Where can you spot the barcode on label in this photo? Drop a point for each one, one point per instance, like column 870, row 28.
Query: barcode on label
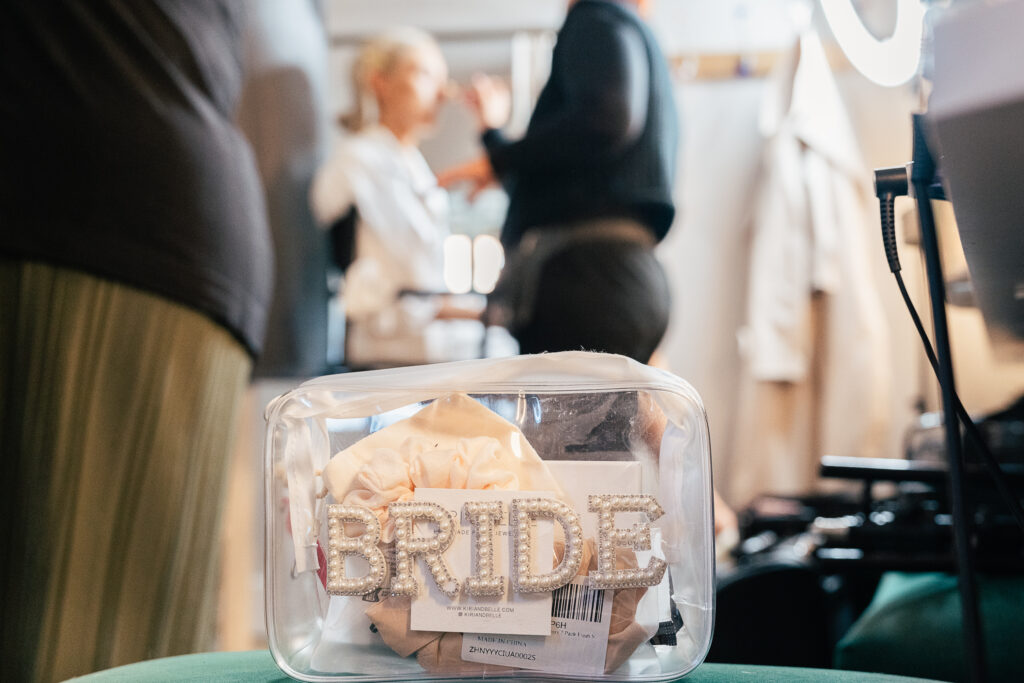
column 576, row 601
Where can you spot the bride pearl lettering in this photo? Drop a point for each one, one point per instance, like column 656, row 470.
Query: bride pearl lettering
column 483, row 517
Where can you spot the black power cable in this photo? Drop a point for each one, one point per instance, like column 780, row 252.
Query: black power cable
column 889, row 184
column 970, row 428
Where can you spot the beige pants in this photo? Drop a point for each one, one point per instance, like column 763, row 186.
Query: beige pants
column 117, row 409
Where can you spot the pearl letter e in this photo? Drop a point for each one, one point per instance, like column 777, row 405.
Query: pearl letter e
column 610, row 537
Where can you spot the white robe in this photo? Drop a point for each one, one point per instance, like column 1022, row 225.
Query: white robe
column 815, row 343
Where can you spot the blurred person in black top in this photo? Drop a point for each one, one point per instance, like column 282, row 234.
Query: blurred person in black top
column 590, row 189
column 121, row 157
column 135, row 275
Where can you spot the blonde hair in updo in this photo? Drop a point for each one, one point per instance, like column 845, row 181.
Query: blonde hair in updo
column 379, row 55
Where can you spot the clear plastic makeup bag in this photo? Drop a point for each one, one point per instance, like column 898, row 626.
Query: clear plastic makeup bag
column 532, row 517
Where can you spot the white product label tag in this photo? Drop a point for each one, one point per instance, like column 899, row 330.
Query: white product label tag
column 589, row 478
column 511, row 613
column 580, row 619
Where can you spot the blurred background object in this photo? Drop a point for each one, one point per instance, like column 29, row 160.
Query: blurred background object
column 137, row 272
column 284, row 113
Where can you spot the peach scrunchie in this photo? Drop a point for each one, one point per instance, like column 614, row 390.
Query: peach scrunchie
column 394, row 474
column 453, row 443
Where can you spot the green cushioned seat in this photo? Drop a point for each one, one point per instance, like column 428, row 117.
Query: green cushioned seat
column 913, row 627
column 259, row 666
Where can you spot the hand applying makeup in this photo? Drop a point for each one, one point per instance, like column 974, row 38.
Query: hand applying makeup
column 489, row 100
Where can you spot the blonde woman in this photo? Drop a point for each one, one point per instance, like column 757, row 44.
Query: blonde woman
column 378, row 184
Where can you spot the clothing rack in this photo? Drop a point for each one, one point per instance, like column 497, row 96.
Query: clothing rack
column 687, row 66
column 721, row 66
column 454, row 36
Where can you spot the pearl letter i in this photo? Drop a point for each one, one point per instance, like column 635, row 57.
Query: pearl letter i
column 483, row 516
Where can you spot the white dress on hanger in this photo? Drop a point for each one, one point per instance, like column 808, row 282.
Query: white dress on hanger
column 816, row 340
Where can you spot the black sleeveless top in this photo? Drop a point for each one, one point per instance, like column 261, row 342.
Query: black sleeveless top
column 603, row 138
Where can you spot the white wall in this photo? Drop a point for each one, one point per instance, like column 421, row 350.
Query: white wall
column 707, row 249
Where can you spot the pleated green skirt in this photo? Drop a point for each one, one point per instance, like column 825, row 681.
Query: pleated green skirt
column 117, row 411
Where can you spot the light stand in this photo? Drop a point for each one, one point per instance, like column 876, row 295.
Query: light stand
column 890, row 183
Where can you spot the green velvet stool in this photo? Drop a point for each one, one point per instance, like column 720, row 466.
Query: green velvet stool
column 259, row 667
column 913, row 627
